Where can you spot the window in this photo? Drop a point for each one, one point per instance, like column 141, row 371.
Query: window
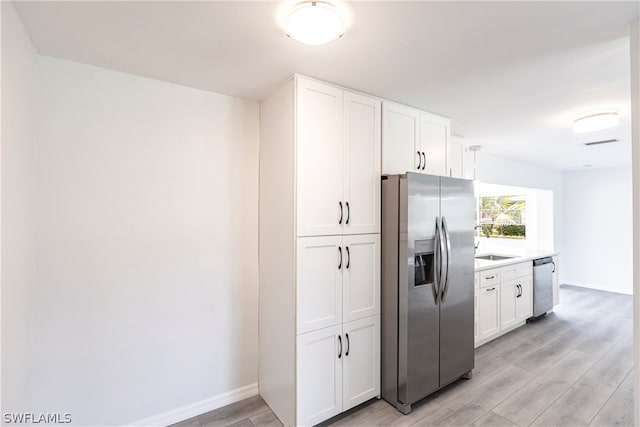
column 502, row 216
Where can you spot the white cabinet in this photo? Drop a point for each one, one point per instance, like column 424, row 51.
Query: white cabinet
column 362, row 131
column 338, row 160
column 524, row 300
column 413, row 140
column 400, row 135
column 338, row 279
column 361, row 276
column 434, row 135
column 319, row 296
column 489, row 308
column 361, row 369
column 509, row 292
column 504, row 300
column 556, row 280
column 455, row 157
column 319, row 375
column 338, row 368
column 320, row 167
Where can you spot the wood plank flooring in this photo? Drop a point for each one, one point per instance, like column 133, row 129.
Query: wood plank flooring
column 572, row 368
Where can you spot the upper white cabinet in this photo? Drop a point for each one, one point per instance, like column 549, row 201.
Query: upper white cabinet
column 362, row 132
column 338, row 160
column 455, row 157
column 434, row 137
column 414, row 141
column 401, row 141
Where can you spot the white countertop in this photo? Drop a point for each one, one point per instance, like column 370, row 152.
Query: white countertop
column 518, row 254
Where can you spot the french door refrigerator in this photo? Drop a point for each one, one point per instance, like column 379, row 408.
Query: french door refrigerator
column 427, row 285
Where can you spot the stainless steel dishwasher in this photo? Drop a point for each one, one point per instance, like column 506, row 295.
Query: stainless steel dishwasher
column 542, row 286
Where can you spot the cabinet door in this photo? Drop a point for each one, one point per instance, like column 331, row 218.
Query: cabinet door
column 400, row 143
column 556, row 281
column 319, row 375
column 489, row 308
column 524, row 300
column 508, row 296
column 361, row 276
column 455, row 158
column 361, row 373
column 320, row 165
column 319, row 282
column 434, row 135
column 362, row 164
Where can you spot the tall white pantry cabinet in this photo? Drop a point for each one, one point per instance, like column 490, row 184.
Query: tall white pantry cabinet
column 319, row 308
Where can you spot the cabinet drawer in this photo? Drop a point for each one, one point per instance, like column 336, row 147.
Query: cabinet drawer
column 489, row 277
column 516, row 270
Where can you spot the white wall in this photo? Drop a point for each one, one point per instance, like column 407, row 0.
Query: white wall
column 498, row 170
column 146, row 244
column 598, row 223
column 17, row 200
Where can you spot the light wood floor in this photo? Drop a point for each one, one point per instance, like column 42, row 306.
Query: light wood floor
column 572, row 368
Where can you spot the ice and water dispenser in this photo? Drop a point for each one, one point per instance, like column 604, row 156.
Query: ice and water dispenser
column 424, row 262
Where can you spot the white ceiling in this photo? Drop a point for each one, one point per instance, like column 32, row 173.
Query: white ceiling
column 510, row 75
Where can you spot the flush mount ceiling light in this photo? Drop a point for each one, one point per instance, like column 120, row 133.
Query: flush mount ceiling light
column 314, row 22
column 596, row 121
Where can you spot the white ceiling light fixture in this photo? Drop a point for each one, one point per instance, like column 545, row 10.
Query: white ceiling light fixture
column 315, row 22
column 596, row 121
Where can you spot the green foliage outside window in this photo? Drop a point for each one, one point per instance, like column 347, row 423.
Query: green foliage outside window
column 502, row 216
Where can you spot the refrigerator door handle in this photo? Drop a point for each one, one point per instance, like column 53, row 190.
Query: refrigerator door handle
column 437, row 263
column 443, row 251
column 447, row 239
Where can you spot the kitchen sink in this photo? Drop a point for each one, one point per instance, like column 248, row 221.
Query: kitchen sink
column 494, row 257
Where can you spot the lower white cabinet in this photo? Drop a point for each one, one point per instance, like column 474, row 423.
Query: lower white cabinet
column 508, row 294
column 489, row 311
column 361, row 362
column 337, row 368
column 319, row 375
column 524, row 299
column 504, row 300
column 516, row 303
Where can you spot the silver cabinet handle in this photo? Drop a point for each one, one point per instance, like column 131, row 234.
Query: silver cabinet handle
column 489, row 277
column 491, row 289
column 340, row 220
column 340, row 342
column 419, row 161
column 340, row 263
column 424, row 161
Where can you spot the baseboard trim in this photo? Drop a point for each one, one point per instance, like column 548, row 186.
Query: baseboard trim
column 188, row 411
column 596, row 287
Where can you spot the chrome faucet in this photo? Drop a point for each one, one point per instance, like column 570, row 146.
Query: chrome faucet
column 475, row 246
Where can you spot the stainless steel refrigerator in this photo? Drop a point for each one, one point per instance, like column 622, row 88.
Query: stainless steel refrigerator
column 427, row 285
